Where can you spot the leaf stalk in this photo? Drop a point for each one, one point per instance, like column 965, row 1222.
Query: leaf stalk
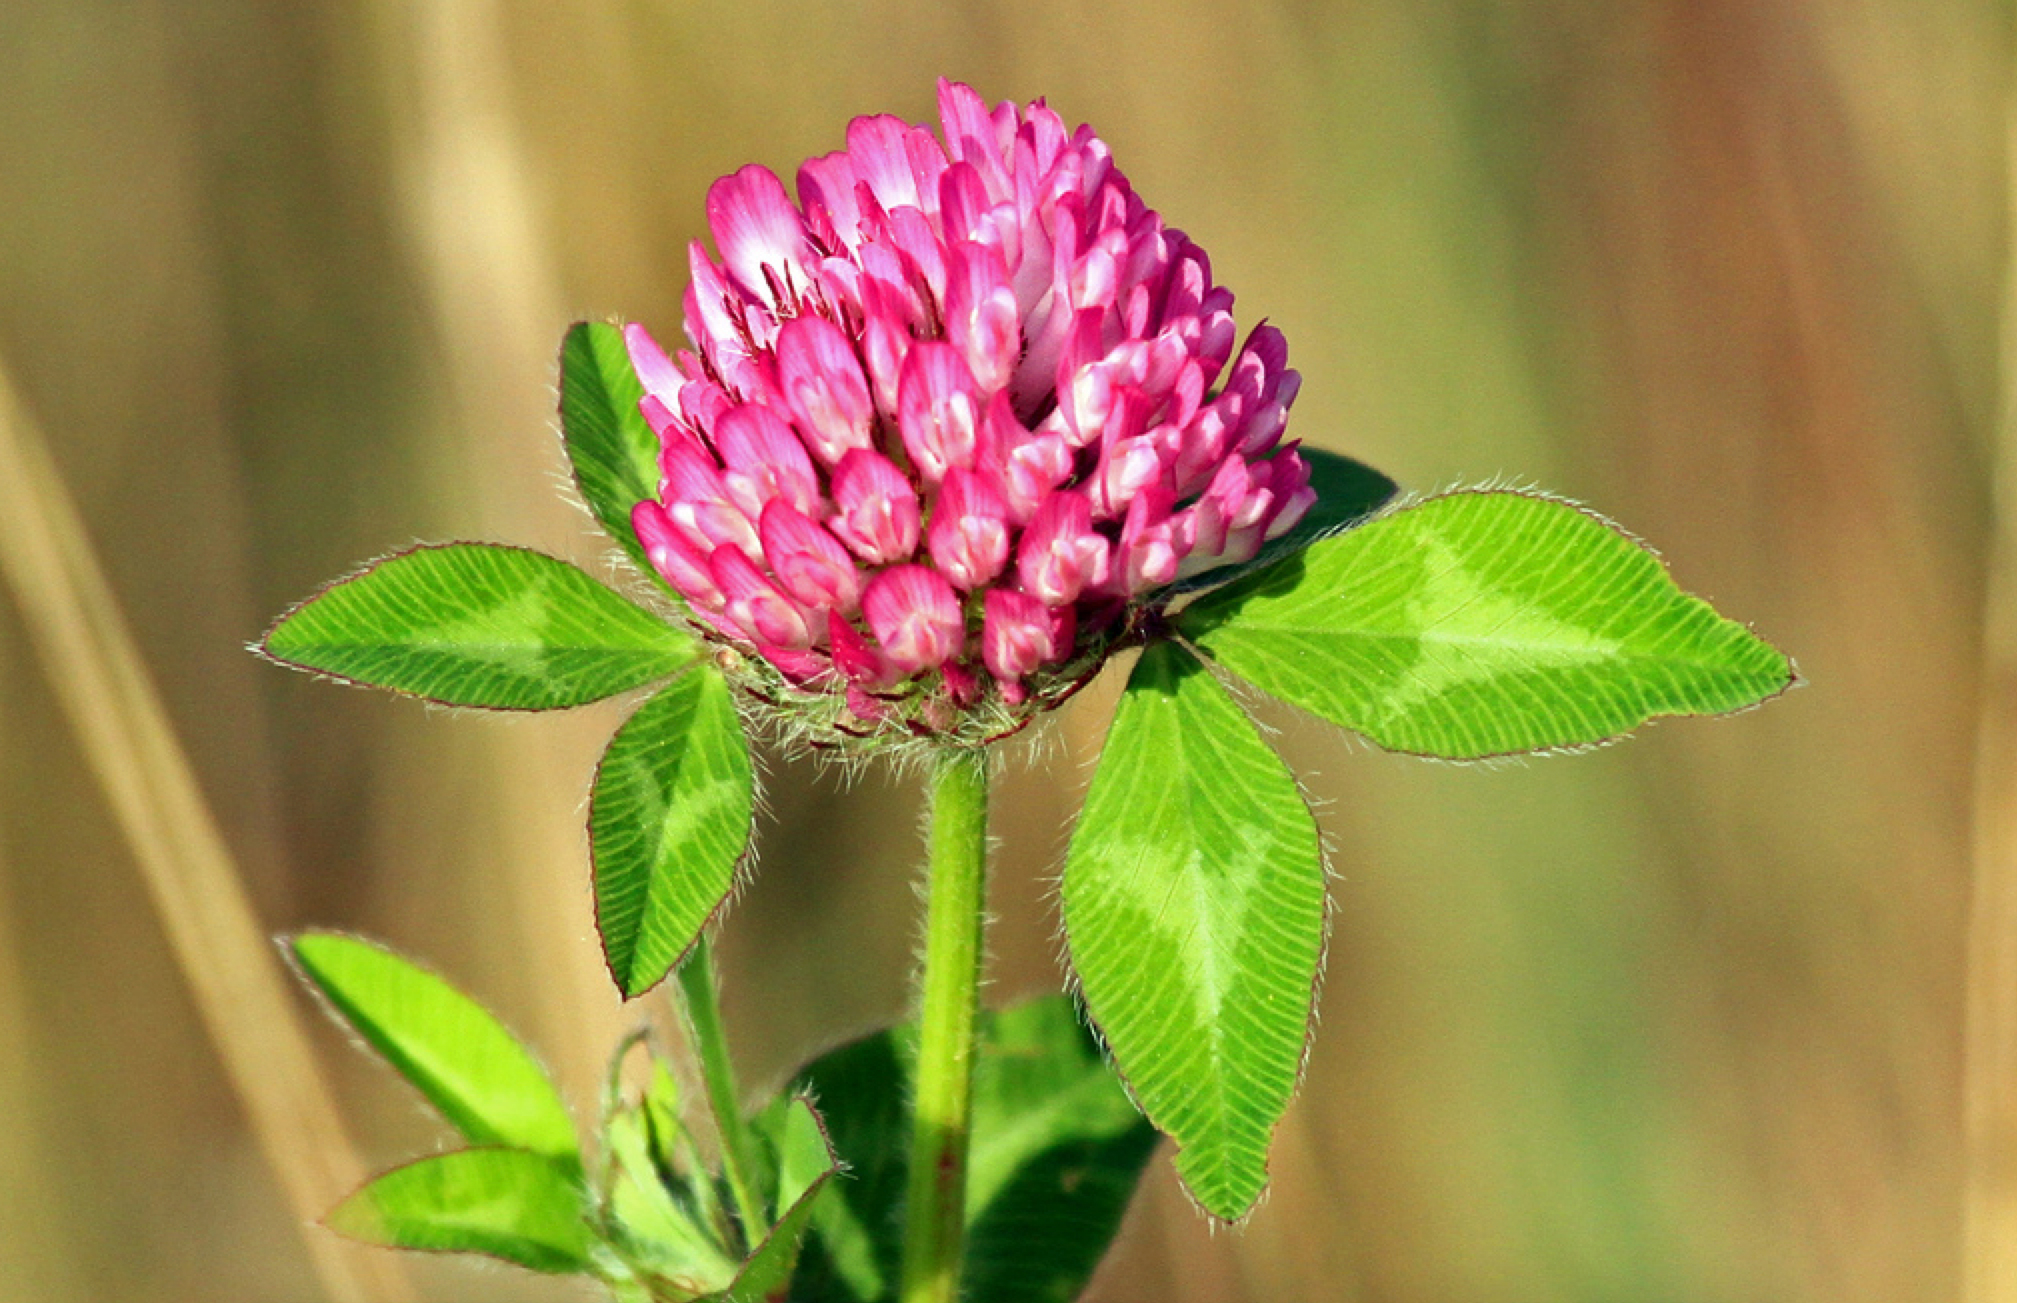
column 702, row 1002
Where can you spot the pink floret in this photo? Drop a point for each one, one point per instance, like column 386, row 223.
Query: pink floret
column 949, row 419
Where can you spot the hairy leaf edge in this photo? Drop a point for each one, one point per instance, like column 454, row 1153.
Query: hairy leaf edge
column 263, row 649
column 739, row 877
column 295, row 964
column 1407, row 502
column 1240, row 692
column 626, row 544
column 588, row 1264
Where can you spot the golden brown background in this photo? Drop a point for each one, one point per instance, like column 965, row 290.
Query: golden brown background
column 1675, row 1022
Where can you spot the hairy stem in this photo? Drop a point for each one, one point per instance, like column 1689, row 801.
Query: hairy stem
column 951, row 996
column 710, row 1043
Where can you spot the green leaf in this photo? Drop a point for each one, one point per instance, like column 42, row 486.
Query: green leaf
column 661, row 1217
column 1484, row 623
column 1057, row 1151
column 1194, row 910
column 657, row 1223
column 653, row 1214
column 668, row 823
column 806, row 1160
column 463, row 1060
column 1347, row 492
column 615, row 454
column 508, row 1203
column 477, row 624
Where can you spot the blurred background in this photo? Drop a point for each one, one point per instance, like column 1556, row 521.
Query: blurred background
column 283, row 280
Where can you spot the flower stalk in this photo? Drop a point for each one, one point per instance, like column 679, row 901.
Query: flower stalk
column 936, row 1222
column 702, row 1000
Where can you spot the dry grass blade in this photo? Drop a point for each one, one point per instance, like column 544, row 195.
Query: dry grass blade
column 97, row 672
column 1989, row 1244
column 472, row 227
column 36, row 1257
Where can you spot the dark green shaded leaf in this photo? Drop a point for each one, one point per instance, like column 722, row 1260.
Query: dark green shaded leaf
column 1484, row 623
column 508, row 1203
column 463, row 1060
column 668, row 824
column 476, row 624
column 1057, row 1151
column 1194, row 909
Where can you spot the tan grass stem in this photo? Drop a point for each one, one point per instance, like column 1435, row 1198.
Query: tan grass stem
column 472, row 225
column 241, row 991
column 35, row 1252
column 1989, row 1081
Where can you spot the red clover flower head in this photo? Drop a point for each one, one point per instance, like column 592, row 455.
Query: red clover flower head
column 947, row 425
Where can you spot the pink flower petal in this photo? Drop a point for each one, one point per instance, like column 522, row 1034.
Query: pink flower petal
column 697, row 500
column 827, row 183
column 877, row 509
column 980, row 316
column 767, row 616
column 1016, row 635
column 915, row 615
column 755, row 226
column 1153, row 543
column 1060, row 555
column 879, row 148
column 856, row 657
column 1031, row 469
column 972, row 137
column 823, row 383
column 764, row 460
column 655, row 371
column 809, row 563
column 969, row 536
column 673, row 556
column 938, row 409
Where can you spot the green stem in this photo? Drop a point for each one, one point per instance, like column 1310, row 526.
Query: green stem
column 710, row 1042
column 936, row 1227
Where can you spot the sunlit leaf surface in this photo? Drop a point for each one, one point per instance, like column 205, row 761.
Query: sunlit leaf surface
column 453, row 1051
column 477, row 624
column 1194, row 909
column 668, row 824
column 508, row 1203
column 1484, row 623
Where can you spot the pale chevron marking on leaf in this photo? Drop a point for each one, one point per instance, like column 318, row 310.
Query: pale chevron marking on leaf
column 476, row 624
column 669, row 821
column 1464, row 623
column 1194, row 904
column 1484, row 623
column 507, row 1203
